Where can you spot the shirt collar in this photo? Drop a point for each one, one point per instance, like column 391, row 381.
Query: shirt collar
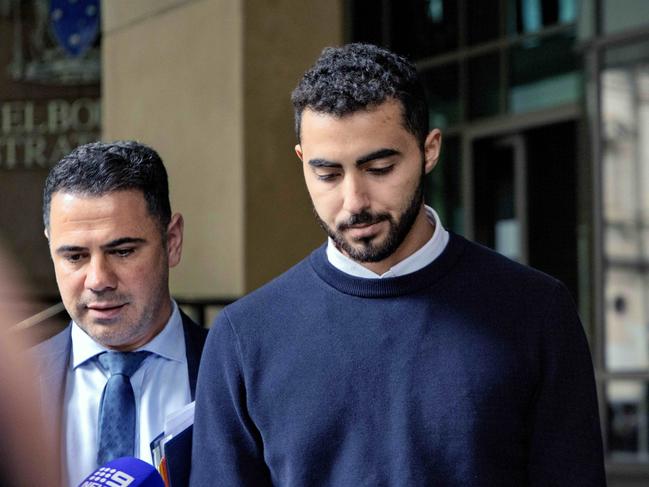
column 418, row 260
column 164, row 343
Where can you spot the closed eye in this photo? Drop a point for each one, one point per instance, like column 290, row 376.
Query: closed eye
column 326, row 177
column 326, row 174
column 74, row 258
column 379, row 171
column 122, row 252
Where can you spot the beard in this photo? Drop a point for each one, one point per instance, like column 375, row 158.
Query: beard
column 366, row 249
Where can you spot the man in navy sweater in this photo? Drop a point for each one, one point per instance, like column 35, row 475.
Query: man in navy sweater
column 397, row 354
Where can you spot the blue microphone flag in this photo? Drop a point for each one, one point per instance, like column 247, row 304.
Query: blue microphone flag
column 124, row 472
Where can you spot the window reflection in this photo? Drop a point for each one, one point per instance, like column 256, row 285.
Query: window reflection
column 423, row 28
column 625, row 165
column 484, row 85
column 543, row 72
column 367, row 21
column 483, row 21
column 444, row 186
column 529, row 16
column 436, row 11
column 618, row 15
column 442, row 85
column 627, row 420
column 626, row 317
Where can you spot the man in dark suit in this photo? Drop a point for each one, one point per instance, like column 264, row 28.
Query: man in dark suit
column 130, row 356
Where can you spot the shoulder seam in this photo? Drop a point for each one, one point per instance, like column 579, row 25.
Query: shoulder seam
column 237, row 341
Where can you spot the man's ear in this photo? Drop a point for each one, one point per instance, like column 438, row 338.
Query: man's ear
column 432, row 149
column 298, row 151
column 46, row 233
column 175, row 239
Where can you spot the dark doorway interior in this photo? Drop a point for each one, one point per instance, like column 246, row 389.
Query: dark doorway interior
column 541, row 230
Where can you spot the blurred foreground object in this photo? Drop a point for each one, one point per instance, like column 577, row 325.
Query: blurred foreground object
column 25, row 456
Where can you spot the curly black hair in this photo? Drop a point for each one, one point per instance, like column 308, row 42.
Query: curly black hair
column 98, row 168
column 358, row 76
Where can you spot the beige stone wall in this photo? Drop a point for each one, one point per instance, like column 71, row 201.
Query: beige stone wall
column 207, row 83
column 283, row 39
column 173, row 79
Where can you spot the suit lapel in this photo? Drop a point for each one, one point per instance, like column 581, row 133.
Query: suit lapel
column 53, row 357
column 194, row 341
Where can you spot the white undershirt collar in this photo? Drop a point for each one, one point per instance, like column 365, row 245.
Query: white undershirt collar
column 418, row 260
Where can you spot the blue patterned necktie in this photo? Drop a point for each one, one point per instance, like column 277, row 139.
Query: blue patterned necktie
column 117, row 408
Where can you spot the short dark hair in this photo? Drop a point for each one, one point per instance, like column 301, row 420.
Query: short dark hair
column 358, row 76
column 98, row 168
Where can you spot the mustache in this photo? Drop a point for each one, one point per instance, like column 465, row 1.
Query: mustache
column 363, row 218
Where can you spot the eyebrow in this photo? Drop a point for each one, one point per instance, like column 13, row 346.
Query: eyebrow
column 323, row 163
column 110, row 245
column 69, row 248
column 372, row 156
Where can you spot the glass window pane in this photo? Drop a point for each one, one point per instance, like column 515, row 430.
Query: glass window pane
column 625, row 166
column 483, row 21
column 423, row 28
column 551, row 153
column 543, row 72
column 496, row 225
column 625, row 136
column 627, row 337
column 586, row 20
column 367, row 21
column 528, row 16
column 442, row 85
column 484, row 85
column 443, row 186
column 624, row 14
column 627, row 420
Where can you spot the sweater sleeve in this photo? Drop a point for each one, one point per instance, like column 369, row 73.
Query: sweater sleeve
column 566, row 443
column 227, row 447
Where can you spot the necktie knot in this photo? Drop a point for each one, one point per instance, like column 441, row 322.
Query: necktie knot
column 122, row 363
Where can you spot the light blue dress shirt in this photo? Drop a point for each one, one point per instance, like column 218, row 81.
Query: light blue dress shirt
column 160, row 385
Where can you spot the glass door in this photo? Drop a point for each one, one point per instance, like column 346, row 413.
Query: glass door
column 524, row 197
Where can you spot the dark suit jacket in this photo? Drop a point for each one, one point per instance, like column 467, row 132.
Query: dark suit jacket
column 53, row 357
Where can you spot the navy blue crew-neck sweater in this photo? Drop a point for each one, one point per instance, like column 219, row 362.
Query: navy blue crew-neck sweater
column 473, row 371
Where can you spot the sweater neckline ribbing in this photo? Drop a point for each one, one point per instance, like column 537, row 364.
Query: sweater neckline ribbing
column 391, row 286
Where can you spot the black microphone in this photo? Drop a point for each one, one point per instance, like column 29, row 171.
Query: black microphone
column 123, row 472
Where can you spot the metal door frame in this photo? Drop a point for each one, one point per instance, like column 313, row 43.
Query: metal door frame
column 507, row 126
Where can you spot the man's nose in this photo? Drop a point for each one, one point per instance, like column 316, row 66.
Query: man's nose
column 356, row 198
column 100, row 276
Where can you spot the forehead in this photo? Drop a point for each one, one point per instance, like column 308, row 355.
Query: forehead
column 111, row 215
column 381, row 124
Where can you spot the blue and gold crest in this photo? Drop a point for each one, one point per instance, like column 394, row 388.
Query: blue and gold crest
column 75, row 24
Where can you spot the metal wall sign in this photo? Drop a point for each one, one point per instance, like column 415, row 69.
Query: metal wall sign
column 75, row 24
column 50, row 73
column 49, row 80
column 39, row 133
column 54, row 42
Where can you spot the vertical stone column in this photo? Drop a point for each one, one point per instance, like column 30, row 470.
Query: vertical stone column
column 207, row 83
column 282, row 40
column 172, row 78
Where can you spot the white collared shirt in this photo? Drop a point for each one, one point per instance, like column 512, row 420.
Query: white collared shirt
column 160, row 385
column 420, row 259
